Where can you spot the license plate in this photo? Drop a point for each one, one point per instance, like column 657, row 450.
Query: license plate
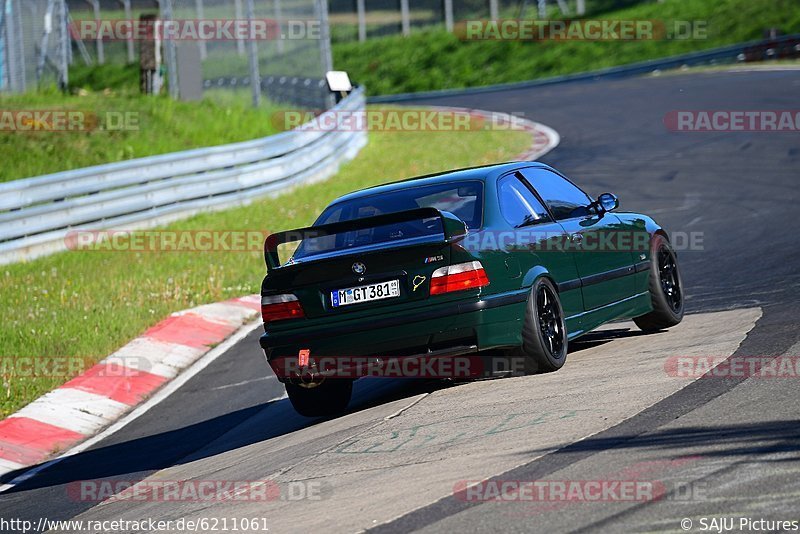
column 367, row 293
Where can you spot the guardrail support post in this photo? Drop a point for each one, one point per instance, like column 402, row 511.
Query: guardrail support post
column 3, row 67
column 126, row 5
column 14, row 42
column 448, row 15
column 321, row 7
column 200, row 15
column 171, row 58
column 237, row 9
column 362, row 20
column 41, row 56
column 405, row 18
column 64, row 44
column 101, row 54
column 252, row 52
column 279, row 23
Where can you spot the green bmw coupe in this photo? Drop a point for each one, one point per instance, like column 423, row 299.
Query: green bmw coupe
column 510, row 259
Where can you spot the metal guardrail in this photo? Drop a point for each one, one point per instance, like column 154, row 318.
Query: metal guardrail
column 784, row 46
column 37, row 213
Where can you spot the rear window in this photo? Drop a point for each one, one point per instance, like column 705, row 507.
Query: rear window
column 463, row 199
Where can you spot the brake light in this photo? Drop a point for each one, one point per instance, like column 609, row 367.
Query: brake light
column 280, row 307
column 458, row 277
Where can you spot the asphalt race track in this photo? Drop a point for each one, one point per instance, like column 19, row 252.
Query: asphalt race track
column 720, row 447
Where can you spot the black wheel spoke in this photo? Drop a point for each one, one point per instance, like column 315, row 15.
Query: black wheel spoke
column 550, row 320
column 668, row 275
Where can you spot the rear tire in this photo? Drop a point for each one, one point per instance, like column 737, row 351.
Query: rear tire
column 330, row 397
column 544, row 334
column 666, row 288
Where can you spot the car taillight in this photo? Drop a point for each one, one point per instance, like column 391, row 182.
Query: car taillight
column 458, row 277
column 279, row 307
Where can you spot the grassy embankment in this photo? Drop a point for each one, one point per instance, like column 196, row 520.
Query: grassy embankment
column 155, row 125
column 435, row 59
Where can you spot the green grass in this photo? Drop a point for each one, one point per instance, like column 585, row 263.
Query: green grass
column 116, row 76
column 435, row 59
column 87, row 304
column 163, row 126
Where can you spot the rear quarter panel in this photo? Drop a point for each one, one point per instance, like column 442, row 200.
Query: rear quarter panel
column 641, row 229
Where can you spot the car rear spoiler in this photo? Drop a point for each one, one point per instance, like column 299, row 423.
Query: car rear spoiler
column 454, row 229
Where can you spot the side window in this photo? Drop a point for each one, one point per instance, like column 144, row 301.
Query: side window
column 563, row 198
column 518, row 204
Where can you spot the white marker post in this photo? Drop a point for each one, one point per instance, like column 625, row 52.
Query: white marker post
column 405, row 15
column 362, row 21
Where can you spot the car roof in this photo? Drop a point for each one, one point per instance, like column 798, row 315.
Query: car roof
column 472, row 173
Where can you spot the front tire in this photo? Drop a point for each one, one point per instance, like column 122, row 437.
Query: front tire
column 327, row 398
column 666, row 288
column 544, row 334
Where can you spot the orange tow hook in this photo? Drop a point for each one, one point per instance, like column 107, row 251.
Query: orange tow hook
column 303, row 356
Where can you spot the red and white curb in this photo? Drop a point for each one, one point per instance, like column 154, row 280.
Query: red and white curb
column 544, row 138
column 91, row 402
column 104, row 393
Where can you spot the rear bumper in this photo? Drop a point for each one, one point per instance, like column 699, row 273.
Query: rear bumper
column 453, row 328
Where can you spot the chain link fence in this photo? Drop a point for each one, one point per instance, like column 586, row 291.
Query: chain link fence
column 39, row 40
column 352, row 20
column 34, row 44
column 290, row 67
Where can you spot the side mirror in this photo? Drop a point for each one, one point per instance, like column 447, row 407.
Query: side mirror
column 608, row 202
